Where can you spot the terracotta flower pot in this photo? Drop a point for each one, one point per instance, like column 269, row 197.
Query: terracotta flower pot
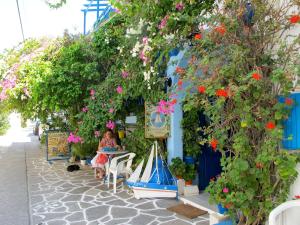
column 179, row 177
column 188, row 182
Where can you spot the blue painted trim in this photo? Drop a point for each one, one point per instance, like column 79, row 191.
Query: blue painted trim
column 175, row 141
column 102, row 9
column 94, row 5
column 221, row 209
column 152, row 186
column 291, row 136
column 174, row 52
column 93, row 10
column 189, row 160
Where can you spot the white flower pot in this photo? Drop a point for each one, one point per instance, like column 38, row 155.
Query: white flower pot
column 83, row 162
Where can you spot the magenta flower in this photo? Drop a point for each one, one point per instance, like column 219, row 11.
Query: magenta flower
column 110, row 125
column 74, row 139
column 92, row 92
column 125, row 74
column 165, row 107
column 163, row 22
column 225, row 190
column 111, row 110
column 85, row 109
column 179, row 6
column 119, row 89
column 97, row 133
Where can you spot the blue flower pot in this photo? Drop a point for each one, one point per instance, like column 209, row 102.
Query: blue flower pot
column 88, row 161
column 221, row 209
column 189, row 160
column 174, row 52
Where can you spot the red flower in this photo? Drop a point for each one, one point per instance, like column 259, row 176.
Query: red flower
column 270, row 125
column 297, row 196
column 201, row 89
column 174, row 101
column 227, row 206
column 259, row 165
column 198, row 36
column 220, row 29
column 256, row 76
column 222, row 93
column 180, row 82
column 214, row 144
column 289, row 101
column 179, row 70
column 295, row 19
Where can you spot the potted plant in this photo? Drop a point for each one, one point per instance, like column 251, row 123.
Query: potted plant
column 177, row 167
column 190, row 174
column 85, row 151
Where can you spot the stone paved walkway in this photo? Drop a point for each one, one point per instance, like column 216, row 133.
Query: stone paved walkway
column 33, row 192
column 59, row 197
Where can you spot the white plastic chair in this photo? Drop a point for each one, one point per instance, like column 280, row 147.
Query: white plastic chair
column 117, row 166
column 273, row 217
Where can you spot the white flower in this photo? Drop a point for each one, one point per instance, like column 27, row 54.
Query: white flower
column 138, row 30
column 152, row 69
column 169, row 37
column 147, row 75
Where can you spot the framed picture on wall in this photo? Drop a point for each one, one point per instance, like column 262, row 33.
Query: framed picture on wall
column 157, row 125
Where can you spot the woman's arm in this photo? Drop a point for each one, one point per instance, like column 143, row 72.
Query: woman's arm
column 101, row 144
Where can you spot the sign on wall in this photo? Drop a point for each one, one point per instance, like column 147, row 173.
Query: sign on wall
column 157, row 125
column 57, row 145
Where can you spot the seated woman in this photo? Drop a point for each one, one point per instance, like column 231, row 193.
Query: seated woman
column 98, row 162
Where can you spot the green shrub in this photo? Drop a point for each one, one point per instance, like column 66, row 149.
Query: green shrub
column 4, row 123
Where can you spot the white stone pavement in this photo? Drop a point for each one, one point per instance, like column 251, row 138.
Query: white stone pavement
column 49, row 195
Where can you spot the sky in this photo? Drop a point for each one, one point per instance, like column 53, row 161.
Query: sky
column 39, row 20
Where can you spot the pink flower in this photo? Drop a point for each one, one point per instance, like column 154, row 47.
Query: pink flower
column 119, row 89
column 163, row 22
column 165, row 107
column 110, row 125
column 97, row 133
column 225, row 190
column 26, row 91
column 74, row 139
column 85, row 109
column 179, row 6
column 92, row 92
column 118, row 11
column 3, row 95
column 145, row 40
column 143, row 57
column 9, row 83
column 111, row 110
column 125, row 74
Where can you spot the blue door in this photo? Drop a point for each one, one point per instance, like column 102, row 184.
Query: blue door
column 209, row 160
column 291, row 140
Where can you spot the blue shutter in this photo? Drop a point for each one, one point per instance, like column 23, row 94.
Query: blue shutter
column 291, row 139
